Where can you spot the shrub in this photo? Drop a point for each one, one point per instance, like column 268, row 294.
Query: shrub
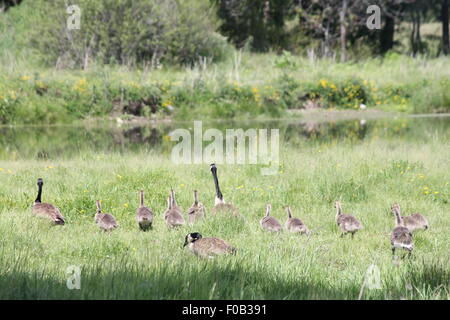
column 129, row 32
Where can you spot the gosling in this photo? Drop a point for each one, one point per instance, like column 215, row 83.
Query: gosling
column 104, row 221
column 144, row 215
column 197, row 210
column 413, row 222
column 270, row 223
column 347, row 222
column 173, row 215
column 295, row 225
column 401, row 237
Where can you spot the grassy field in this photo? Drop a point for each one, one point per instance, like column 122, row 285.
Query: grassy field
column 128, row 264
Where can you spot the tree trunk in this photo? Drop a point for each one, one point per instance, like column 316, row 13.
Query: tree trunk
column 445, row 31
column 342, row 16
column 387, row 35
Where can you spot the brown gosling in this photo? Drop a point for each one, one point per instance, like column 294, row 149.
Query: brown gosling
column 295, row 225
column 401, row 237
column 173, row 215
column 270, row 223
column 219, row 203
column 413, row 222
column 46, row 210
column 144, row 215
column 105, row 221
column 207, row 247
column 347, row 222
column 197, row 210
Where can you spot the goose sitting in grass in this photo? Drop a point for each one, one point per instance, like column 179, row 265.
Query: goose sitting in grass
column 46, row 210
column 347, row 222
column 401, row 237
column 295, row 225
column 413, row 222
column 207, row 247
column 270, row 223
column 219, row 204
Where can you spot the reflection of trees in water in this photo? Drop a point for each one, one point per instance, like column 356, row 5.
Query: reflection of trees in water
column 328, row 131
column 66, row 141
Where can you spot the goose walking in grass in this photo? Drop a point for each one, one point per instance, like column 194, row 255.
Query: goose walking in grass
column 104, row 221
column 295, row 225
column 173, row 215
column 413, row 222
column 207, row 247
column 144, row 215
column 270, row 223
column 401, row 237
column 197, row 210
column 219, row 204
column 347, row 222
column 46, row 210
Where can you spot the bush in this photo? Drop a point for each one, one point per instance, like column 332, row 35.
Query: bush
column 129, row 32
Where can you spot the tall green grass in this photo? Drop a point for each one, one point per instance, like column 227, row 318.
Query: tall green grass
column 127, row 264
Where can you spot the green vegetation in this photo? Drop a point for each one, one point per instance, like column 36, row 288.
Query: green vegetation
column 367, row 175
column 224, row 91
column 176, row 72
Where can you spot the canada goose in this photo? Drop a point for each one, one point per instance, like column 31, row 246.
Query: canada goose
column 144, row 215
column 105, row 221
column 197, row 210
column 413, row 222
column 401, row 237
column 270, row 223
column 347, row 223
column 207, row 247
column 173, row 215
column 219, row 203
column 46, row 210
column 295, row 224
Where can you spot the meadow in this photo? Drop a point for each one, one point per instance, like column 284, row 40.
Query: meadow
column 404, row 161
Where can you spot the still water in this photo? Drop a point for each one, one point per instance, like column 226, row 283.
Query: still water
column 54, row 142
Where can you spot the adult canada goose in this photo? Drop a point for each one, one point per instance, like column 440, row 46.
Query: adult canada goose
column 105, row 221
column 173, row 215
column 347, row 222
column 144, row 215
column 197, row 210
column 401, row 237
column 46, row 210
column 270, row 223
column 295, row 225
column 413, row 222
column 219, row 203
column 207, row 247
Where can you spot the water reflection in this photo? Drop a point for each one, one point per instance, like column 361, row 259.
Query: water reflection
column 67, row 141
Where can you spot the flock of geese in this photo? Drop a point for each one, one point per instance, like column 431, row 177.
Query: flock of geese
column 401, row 237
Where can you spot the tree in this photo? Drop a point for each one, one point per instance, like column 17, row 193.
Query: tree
column 445, row 31
column 262, row 21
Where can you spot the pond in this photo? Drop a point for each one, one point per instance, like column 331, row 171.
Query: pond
column 55, row 142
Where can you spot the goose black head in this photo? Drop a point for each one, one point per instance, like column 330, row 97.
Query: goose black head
column 40, row 182
column 191, row 237
column 213, row 168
